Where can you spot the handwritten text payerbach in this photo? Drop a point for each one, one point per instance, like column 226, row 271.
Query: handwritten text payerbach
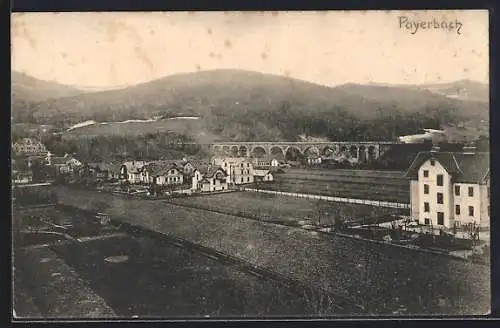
column 413, row 26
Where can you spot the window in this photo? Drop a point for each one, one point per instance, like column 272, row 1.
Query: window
column 433, row 162
column 427, row 221
column 241, row 164
column 471, row 210
column 248, row 179
column 426, row 174
column 426, row 207
column 440, row 218
column 457, row 190
column 439, row 178
column 457, row 209
column 426, row 188
column 241, row 180
column 471, row 191
column 440, row 198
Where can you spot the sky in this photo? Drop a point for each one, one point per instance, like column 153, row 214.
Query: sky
column 106, row 50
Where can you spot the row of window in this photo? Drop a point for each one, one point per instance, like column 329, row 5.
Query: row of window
column 242, row 171
column 457, row 190
column 457, row 209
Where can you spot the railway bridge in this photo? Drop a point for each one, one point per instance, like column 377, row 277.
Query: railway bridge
column 363, row 151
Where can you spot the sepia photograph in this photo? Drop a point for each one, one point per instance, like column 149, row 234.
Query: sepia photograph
column 250, row 165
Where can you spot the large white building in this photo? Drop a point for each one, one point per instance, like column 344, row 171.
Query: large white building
column 239, row 169
column 450, row 189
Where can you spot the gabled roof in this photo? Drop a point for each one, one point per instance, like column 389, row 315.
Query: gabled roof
column 467, row 168
column 161, row 168
column 134, row 166
column 213, row 170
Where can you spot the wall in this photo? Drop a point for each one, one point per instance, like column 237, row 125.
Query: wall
column 465, row 201
column 431, row 198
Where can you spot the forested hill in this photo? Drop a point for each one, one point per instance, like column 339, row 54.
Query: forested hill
column 28, row 91
column 243, row 105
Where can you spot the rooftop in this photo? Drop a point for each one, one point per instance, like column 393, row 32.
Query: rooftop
column 468, row 168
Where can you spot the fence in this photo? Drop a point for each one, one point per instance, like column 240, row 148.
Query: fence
column 378, row 203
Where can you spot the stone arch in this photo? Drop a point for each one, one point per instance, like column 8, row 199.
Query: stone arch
column 218, row 150
column 371, row 154
column 234, row 151
column 258, row 152
column 362, row 153
column 293, row 154
column 276, row 152
column 353, row 151
column 243, row 151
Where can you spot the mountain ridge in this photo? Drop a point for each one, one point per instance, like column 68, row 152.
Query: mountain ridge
column 240, row 104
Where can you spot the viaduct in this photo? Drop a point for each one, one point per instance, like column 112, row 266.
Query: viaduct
column 363, row 151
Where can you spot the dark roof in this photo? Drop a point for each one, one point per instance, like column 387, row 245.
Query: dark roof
column 468, row 168
column 213, row 170
column 161, row 167
column 134, row 166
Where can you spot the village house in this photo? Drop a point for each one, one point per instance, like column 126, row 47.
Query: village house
column 62, row 165
column 28, row 146
column 208, row 179
column 162, row 173
column 260, row 162
column 313, row 159
column 22, row 177
column 104, row 171
column 275, row 162
column 262, row 175
column 132, row 171
column 450, row 189
column 238, row 169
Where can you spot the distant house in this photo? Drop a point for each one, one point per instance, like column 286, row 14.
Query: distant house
column 263, row 175
column 63, row 165
column 104, row 171
column 275, row 162
column 212, row 179
column 22, row 177
column 313, row 159
column 163, row 173
column 449, row 189
column 28, row 146
column 260, row 162
column 132, row 171
column 238, row 169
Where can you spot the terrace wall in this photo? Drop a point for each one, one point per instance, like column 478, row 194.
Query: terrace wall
column 380, row 277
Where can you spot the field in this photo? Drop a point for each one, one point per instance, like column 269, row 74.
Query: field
column 372, row 185
column 193, row 128
column 285, row 209
column 383, row 278
column 157, row 279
